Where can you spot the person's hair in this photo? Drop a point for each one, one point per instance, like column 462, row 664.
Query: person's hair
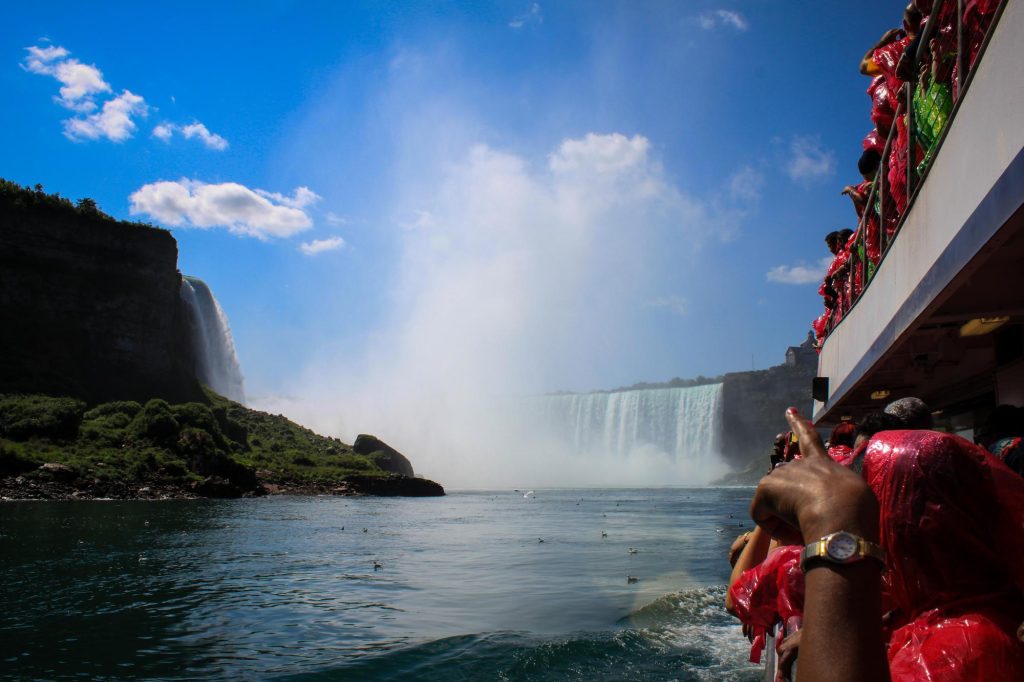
column 1003, row 421
column 913, row 412
column 869, row 161
column 878, row 421
column 831, row 237
column 843, row 434
column 912, row 17
column 844, row 235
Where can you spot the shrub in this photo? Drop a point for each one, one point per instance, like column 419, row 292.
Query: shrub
column 128, row 408
column 38, row 416
column 12, row 464
column 199, row 416
column 156, row 422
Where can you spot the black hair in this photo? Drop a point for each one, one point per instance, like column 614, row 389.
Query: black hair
column 1002, row 422
column 913, row 412
column 844, row 235
column 869, row 161
column 876, row 422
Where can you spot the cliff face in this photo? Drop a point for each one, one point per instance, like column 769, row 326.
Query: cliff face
column 89, row 306
column 753, row 408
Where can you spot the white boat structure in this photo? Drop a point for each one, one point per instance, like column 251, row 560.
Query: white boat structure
column 942, row 316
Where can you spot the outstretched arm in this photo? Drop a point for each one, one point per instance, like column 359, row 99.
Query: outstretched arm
column 842, row 636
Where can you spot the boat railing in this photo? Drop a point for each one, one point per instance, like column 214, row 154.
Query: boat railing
column 880, row 219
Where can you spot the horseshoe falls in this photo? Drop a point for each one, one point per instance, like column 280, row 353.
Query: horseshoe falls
column 664, row 436
column 216, row 362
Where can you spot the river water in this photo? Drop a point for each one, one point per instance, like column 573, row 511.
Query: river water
column 286, row 587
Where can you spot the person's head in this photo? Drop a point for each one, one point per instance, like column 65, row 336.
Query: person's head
column 832, row 241
column 912, row 20
column 874, row 423
column 913, row 412
column 843, row 434
column 949, row 521
column 844, row 236
column 779, row 445
column 1003, row 422
column 868, row 164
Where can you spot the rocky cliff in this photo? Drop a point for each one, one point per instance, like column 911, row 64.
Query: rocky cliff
column 89, row 306
column 753, row 405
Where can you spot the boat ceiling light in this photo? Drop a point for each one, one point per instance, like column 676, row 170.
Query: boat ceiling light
column 983, row 325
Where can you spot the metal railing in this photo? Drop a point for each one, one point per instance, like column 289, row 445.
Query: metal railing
column 851, row 281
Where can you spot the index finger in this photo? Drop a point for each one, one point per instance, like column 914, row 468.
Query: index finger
column 810, row 442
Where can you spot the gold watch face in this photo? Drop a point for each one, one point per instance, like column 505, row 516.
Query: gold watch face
column 841, row 546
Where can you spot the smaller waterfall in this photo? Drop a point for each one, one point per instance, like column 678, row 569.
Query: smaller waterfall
column 216, row 363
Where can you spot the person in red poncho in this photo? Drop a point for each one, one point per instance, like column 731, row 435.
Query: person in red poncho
column 950, row 518
column 952, row 525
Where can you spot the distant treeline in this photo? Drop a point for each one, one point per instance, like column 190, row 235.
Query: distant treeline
column 676, row 382
column 14, row 196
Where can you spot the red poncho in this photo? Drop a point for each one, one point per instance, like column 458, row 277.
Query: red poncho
column 883, row 108
column 770, row 592
column 952, row 525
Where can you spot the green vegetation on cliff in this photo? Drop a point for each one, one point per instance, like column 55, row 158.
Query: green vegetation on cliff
column 182, row 446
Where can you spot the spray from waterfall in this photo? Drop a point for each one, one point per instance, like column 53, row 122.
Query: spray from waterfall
column 217, row 364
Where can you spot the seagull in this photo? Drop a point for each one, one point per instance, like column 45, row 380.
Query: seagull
column 630, row 579
column 719, row 530
column 633, row 550
column 377, row 566
column 529, row 493
column 364, row 530
column 540, row 539
column 604, row 534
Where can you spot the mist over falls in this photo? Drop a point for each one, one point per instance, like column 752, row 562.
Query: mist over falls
column 217, row 364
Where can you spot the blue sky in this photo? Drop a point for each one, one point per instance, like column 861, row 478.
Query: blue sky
column 566, row 195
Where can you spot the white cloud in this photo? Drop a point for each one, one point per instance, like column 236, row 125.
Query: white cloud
column 80, row 86
column 211, row 140
column 677, row 305
column 113, row 122
column 320, row 245
column 531, row 15
column 808, row 160
column 722, row 17
column 39, row 58
column 243, row 211
column 800, row 273
column 79, row 82
column 745, row 185
column 600, row 154
column 165, row 131
column 302, row 198
column 335, row 219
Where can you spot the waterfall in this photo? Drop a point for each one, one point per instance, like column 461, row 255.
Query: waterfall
column 216, row 363
column 680, row 425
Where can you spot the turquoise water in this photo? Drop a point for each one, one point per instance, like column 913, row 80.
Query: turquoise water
column 287, row 587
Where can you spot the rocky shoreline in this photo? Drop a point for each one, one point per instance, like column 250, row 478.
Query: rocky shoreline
column 58, row 485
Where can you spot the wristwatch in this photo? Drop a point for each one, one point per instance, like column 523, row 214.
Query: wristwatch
column 841, row 548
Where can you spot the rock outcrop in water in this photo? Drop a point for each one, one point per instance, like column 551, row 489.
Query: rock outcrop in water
column 382, row 454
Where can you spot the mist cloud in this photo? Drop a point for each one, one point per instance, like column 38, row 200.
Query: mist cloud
column 511, row 270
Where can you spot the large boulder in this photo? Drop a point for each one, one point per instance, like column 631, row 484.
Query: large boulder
column 383, row 455
column 393, row 486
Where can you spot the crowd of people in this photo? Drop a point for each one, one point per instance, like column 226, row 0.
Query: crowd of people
column 890, row 551
column 920, row 58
